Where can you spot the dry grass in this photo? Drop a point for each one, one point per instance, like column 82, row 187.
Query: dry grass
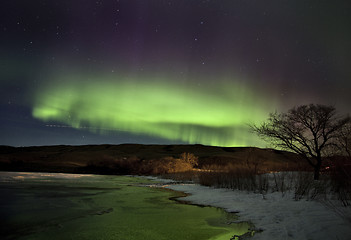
column 300, row 184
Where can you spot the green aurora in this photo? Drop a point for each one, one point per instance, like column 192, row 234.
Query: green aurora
column 210, row 114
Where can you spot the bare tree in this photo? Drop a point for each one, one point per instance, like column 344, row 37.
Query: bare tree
column 308, row 130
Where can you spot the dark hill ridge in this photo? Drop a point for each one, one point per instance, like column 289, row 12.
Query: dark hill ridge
column 63, row 158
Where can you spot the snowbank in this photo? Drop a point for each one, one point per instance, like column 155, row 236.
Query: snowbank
column 279, row 217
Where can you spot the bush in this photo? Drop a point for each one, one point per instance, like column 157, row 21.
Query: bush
column 190, row 158
column 340, row 172
column 164, row 166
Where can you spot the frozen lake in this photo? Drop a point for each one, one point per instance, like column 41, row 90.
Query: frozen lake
column 72, row 206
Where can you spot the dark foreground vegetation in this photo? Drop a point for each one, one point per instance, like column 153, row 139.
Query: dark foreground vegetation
column 249, row 169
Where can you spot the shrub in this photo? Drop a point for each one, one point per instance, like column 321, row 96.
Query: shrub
column 190, row 158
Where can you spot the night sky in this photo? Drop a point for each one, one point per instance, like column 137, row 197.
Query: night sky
column 166, row 72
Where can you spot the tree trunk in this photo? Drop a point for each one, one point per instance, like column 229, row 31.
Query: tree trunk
column 316, row 173
column 317, row 169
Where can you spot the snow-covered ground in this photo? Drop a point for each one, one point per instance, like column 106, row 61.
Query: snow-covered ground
column 279, row 217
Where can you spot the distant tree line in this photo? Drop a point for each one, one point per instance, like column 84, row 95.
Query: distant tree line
column 134, row 165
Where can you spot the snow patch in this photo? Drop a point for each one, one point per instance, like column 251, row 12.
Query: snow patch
column 280, row 217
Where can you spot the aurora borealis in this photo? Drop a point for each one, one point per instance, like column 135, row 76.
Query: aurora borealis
column 128, row 71
column 211, row 115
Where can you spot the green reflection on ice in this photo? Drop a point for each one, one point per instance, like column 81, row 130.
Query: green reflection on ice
column 104, row 207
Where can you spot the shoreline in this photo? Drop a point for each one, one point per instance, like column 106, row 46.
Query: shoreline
column 278, row 217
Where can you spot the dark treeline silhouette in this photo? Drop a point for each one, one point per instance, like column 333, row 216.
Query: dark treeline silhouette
column 140, row 159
